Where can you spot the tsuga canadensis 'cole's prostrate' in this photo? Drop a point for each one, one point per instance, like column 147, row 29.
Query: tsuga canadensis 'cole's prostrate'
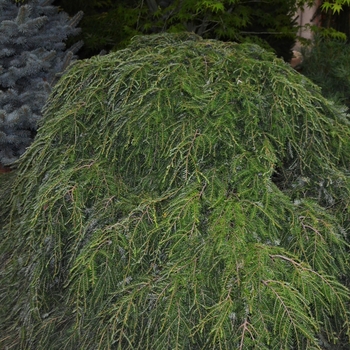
column 180, row 194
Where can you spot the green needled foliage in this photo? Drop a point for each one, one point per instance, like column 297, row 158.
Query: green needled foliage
column 180, row 194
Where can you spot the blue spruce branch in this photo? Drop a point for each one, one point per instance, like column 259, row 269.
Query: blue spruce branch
column 33, row 56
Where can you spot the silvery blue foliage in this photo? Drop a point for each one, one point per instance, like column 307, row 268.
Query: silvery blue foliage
column 33, row 55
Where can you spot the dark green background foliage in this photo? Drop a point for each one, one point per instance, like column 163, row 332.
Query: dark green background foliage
column 109, row 24
column 327, row 64
column 181, row 194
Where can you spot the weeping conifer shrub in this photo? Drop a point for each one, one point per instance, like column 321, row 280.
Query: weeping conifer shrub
column 180, row 194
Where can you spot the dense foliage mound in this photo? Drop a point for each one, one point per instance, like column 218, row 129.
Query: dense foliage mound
column 180, row 194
